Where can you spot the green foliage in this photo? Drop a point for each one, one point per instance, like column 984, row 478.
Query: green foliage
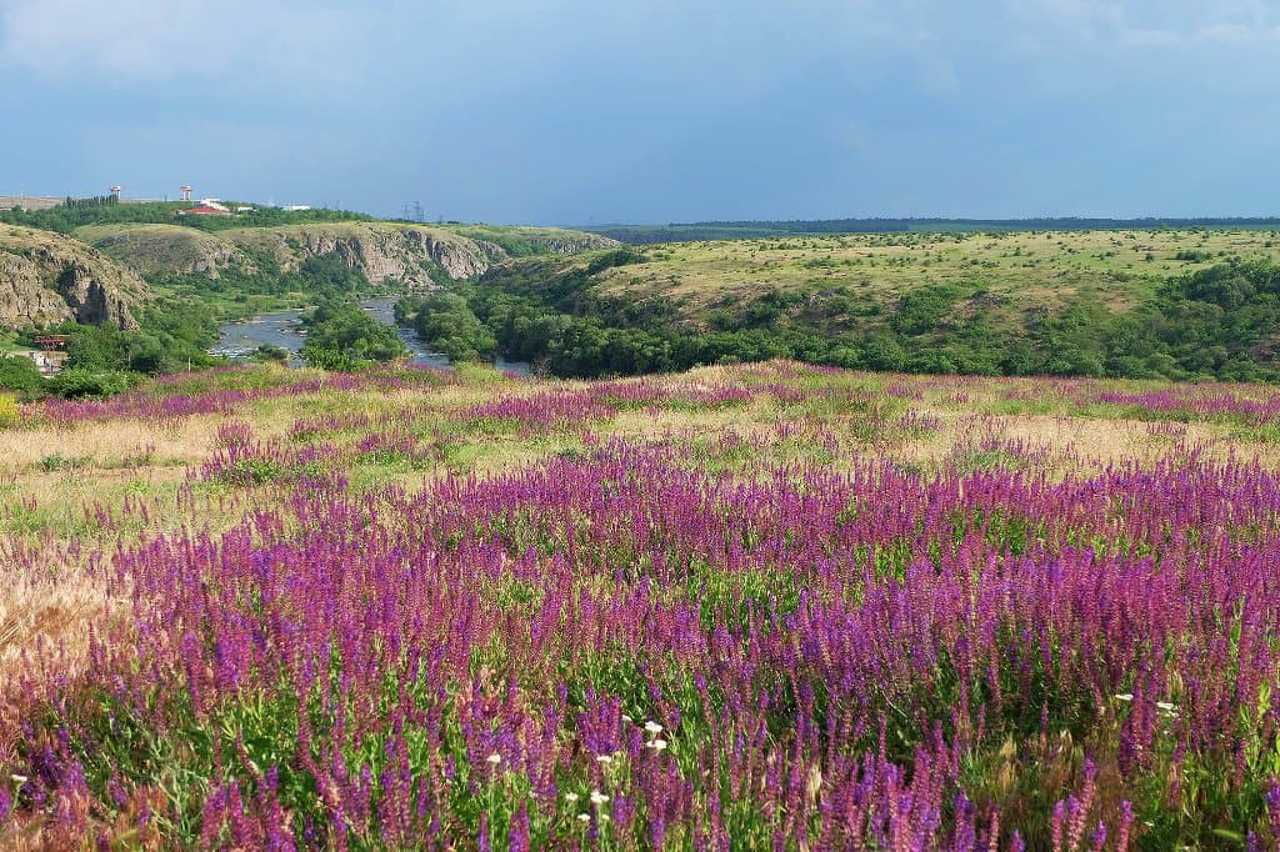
column 271, row 354
column 328, row 276
column 446, row 323
column 1220, row 321
column 21, row 375
column 343, row 337
column 77, row 213
column 57, row 461
column 174, row 335
column 923, row 310
column 78, row 382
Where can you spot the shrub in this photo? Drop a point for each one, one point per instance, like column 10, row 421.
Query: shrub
column 78, row 382
column 270, row 353
column 9, row 415
column 21, row 375
column 341, row 336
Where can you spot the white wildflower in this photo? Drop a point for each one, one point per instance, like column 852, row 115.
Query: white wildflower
column 571, row 797
column 1125, row 696
column 657, row 745
column 1166, row 706
column 598, row 798
column 653, row 728
column 627, row 718
column 494, row 758
column 584, row 817
column 604, row 758
column 21, row 779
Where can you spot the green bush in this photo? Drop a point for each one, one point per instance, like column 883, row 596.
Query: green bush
column 78, row 382
column 342, row 336
column 446, row 323
column 21, row 375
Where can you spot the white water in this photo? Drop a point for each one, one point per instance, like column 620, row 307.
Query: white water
column 284, row 329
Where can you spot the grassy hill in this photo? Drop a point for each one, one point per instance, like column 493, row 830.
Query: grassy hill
column 1125, row 303
column 1021, row 271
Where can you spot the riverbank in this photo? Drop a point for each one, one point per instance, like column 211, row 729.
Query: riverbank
column 283, row 329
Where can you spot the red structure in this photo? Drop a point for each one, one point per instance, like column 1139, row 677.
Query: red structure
column 204, row 210
column 51, row 342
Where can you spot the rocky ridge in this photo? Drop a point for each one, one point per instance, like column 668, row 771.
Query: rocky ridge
column 419, row 256
column 46, row 278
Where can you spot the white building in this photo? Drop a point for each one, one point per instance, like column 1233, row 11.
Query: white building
column 49, row 363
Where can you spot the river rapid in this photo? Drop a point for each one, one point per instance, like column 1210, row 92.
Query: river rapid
column 284, row 329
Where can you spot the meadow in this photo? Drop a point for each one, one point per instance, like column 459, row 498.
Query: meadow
column 1019, row 271
column 763, row 606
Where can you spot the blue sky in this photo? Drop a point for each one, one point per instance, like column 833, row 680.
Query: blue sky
column 570, row 112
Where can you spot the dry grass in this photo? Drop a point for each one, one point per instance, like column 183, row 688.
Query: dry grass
column 1028, row 269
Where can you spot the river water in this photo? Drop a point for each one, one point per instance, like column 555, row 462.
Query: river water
column 284, row 329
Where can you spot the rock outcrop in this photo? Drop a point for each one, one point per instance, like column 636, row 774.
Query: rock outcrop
column 420, row 256
column 47, row 278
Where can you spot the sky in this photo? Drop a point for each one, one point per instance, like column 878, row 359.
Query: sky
column 572, row 112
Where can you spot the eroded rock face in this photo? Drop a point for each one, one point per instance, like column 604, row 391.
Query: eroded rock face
column 420, row 256
column 406, row 255
column 46, row 278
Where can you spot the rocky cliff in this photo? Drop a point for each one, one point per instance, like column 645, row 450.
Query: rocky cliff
column 420, row 256
column 417, row 256
column 47, row 278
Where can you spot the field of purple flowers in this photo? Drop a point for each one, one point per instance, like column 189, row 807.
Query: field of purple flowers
column 767, row 607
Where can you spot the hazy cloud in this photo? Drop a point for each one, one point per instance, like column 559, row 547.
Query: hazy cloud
column 144, row 40
column 572, row 110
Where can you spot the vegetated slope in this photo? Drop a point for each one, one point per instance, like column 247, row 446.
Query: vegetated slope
column 1023, row 272
column 156, row 249
column 415, row 255
column 47, row 278
column 1142, row 303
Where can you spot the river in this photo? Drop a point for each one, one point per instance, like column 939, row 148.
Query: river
column 284, row 329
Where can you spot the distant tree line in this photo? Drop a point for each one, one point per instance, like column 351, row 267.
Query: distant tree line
column 90, row 203
column 77, row 213
column 746, row 229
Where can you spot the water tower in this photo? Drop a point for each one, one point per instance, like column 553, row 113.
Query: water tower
column 115, row 192
column 186, row 192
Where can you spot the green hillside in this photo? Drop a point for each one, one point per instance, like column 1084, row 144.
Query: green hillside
column 1123, row 303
